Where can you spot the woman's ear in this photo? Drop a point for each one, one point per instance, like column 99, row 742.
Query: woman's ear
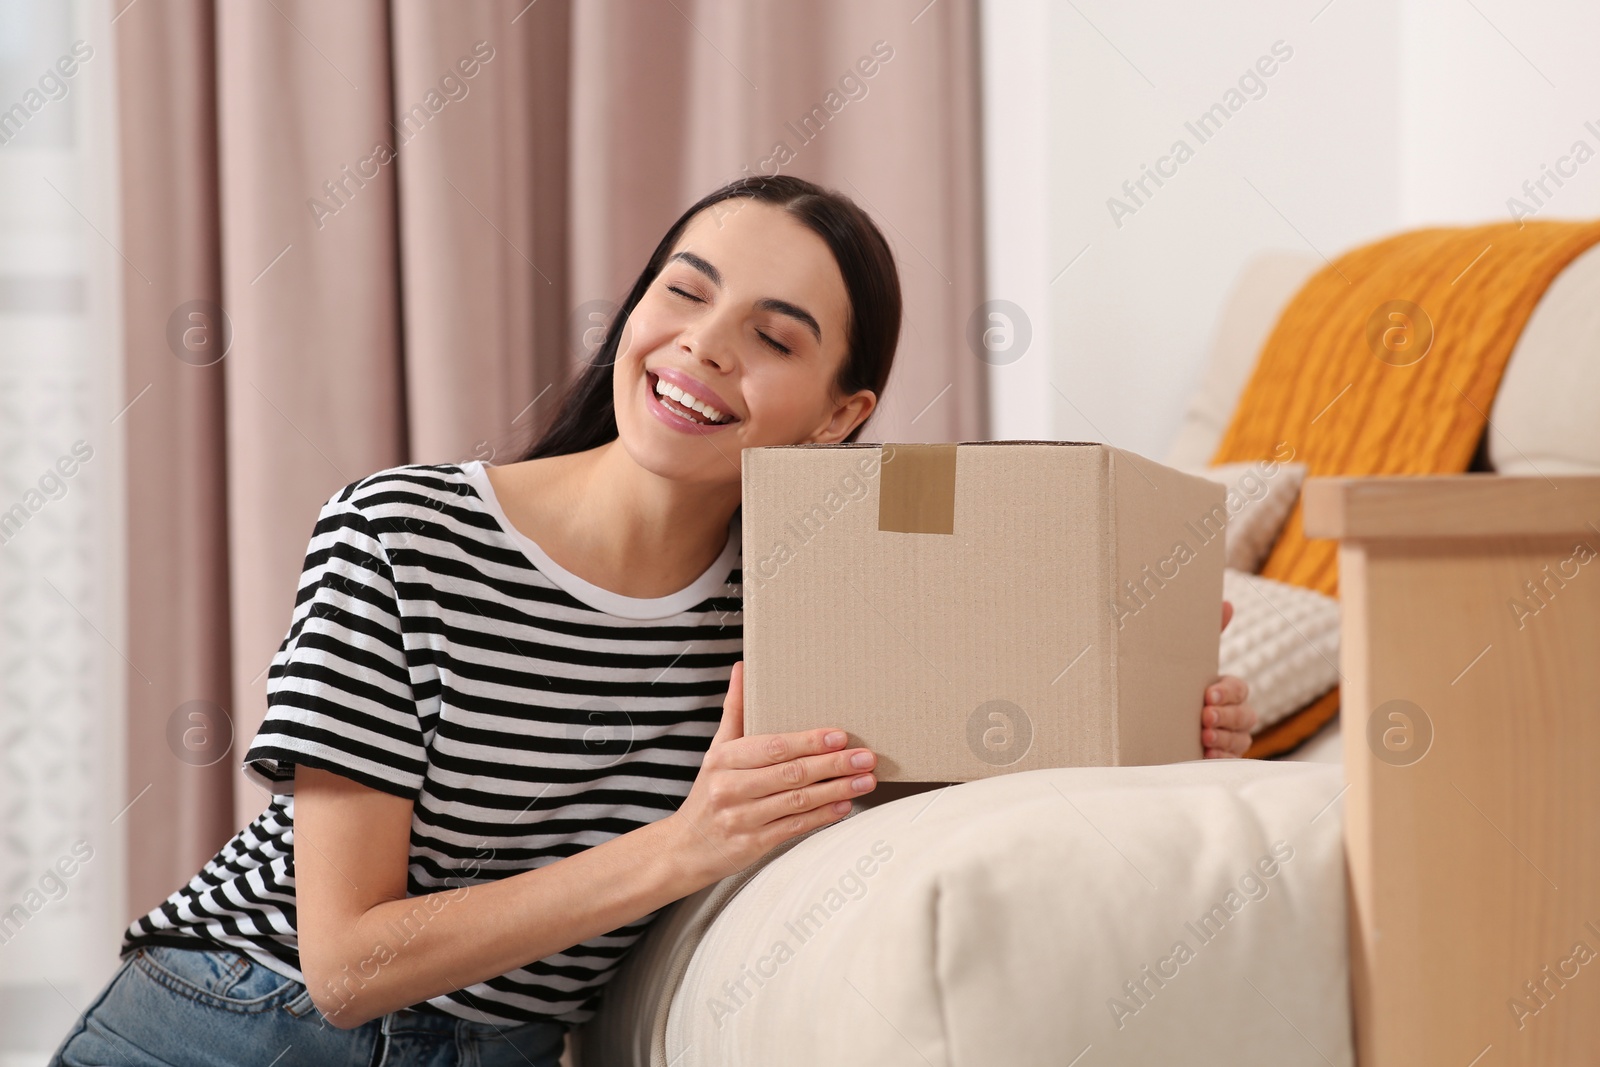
column 850, row 414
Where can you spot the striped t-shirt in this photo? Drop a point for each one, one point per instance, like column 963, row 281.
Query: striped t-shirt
column 436, row 653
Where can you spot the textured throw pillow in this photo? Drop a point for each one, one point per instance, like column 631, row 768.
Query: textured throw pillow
column 1283, row 641
column 1260, row 497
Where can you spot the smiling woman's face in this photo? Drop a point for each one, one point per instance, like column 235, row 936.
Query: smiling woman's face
column 749, row 315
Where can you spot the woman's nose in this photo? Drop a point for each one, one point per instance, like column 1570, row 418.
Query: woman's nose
column 712, row 337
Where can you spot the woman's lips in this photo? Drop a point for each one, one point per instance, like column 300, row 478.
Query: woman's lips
column 677, row 422
column 697, row 389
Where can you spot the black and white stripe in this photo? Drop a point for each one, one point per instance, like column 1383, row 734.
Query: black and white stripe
column 436, row 654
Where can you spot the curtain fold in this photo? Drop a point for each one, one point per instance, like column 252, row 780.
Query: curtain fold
column 178, row 586
column 483, row 187
column 315, row 393
column 408, row 217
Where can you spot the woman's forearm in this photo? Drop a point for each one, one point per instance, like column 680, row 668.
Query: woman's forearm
column 751, row 794
column 402, row 952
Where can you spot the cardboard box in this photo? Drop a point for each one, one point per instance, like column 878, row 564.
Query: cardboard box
column 973, row 609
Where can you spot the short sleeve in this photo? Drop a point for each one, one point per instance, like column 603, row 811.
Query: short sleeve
column 339, row 694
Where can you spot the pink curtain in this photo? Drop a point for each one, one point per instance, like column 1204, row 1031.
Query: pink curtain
column 402, row 218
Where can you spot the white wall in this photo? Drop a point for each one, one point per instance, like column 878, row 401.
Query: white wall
column 1017, row 179
column 1480, row 117
column 1389, row 114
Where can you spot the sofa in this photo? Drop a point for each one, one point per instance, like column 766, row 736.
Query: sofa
column 1202, row 912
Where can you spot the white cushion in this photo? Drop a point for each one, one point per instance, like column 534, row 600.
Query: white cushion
column 1260, row 497
column 1000, row 922
column 1283, row 640
column 1546, row 414
column 1258, row 297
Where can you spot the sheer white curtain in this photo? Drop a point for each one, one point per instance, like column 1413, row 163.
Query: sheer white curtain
column 61, row 584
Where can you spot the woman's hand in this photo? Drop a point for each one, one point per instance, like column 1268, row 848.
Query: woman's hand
column 1225, row 719
column 753, row 793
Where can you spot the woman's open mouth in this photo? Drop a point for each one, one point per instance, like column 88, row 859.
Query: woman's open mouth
column 682, row 411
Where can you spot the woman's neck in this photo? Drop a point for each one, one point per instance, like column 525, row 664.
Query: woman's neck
column 611, row 522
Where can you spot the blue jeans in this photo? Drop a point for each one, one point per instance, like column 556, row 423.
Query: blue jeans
column 173, row 1007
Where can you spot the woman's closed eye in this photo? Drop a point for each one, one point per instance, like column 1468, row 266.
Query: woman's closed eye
column 782, row 348
column 777, row 345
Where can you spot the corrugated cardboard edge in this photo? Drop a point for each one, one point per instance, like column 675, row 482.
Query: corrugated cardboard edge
column 1108, row 536
column 747, row 553
column 1147, row 751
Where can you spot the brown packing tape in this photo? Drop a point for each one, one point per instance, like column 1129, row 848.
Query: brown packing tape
column 917, row 489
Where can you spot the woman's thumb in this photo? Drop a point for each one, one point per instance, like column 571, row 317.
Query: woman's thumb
column 732, row 725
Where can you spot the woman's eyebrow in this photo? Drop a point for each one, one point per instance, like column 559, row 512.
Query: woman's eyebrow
column 782, row 307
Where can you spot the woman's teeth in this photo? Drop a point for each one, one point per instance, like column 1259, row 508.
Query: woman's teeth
column 687, row 406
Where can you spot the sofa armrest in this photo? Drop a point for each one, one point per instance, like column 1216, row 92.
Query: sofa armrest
column 1471, row 688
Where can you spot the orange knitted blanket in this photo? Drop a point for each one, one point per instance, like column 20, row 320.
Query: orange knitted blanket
column 1387, row 362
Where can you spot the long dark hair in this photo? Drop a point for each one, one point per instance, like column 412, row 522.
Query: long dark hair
column 587, row 418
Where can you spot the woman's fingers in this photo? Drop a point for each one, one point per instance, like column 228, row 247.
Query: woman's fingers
column 777, row 832
column 1225, row 744
column 818, row 795
column 755, row 792
column 781, row 752
column 1227, row 612
column 762, row 751
column 732, row 724
column 1226, row 720
column 1241, row 717
column 1227, row 689
column 804, row 770
column 1225, row 729
column 1229, row 740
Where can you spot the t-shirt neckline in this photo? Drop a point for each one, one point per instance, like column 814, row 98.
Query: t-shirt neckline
column 710, row 582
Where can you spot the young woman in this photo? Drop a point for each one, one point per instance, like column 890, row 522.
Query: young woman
column 492, row 734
